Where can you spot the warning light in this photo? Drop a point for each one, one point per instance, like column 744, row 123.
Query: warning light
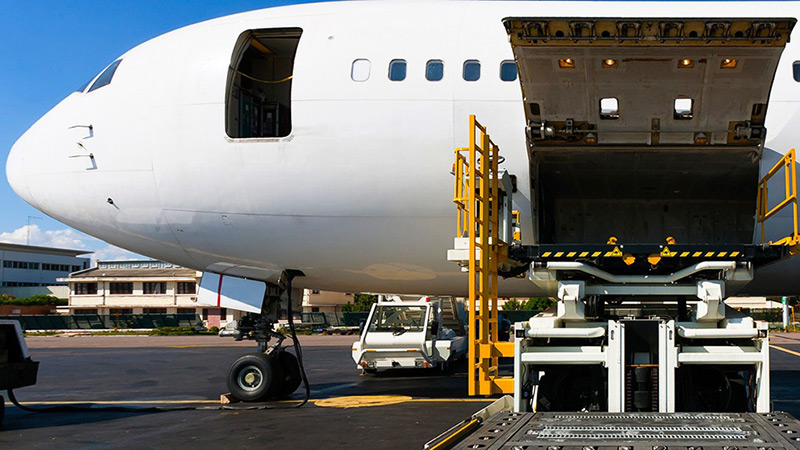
column 609, row 63
column 686, row 63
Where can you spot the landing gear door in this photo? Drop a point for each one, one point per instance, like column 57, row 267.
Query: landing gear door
column 224, row 291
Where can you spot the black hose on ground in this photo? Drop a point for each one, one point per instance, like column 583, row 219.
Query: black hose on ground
column 290, row 274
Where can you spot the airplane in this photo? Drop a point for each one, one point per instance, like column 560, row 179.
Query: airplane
column 319, row 138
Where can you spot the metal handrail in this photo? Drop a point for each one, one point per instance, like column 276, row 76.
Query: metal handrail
column 790, row 181
column 476, row 196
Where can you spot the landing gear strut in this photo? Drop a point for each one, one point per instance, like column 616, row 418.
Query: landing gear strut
column 272, row 372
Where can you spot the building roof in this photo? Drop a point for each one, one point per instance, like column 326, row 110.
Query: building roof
column 4, row 246
column 135, row 273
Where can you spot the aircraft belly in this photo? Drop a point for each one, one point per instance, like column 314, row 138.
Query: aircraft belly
column 382, row 254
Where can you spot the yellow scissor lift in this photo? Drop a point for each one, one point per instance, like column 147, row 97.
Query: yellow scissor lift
column 478, row 198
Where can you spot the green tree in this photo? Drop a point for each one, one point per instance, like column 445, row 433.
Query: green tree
column 512, row 305
column 361, row 303
column 538, row 303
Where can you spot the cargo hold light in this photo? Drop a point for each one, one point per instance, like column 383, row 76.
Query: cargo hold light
column 728, row 63
column 609, row 63
column 566, row 63
column 686, row 63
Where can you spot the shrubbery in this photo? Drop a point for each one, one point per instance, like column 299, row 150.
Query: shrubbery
column 361, row 303
column 35, row 300
column 532, row 304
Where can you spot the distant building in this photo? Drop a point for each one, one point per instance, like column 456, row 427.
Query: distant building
column 28, row 270
column 752, row 303
column 324, row 301
column 141, row 287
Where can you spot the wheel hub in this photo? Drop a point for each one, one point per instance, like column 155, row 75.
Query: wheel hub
column 250, row 378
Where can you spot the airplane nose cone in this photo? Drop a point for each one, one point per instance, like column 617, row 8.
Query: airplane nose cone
column 15, row 171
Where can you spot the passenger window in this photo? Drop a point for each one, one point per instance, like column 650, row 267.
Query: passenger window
column 360, row 70
column 472, row 70
column 796, row 71
column 259, row 95
column 508, row 70
column 397, row 70
column 434, row 70
column 106, row 76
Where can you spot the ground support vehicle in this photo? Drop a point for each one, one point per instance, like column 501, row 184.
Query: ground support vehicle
column 407, row 334
column 16, row 367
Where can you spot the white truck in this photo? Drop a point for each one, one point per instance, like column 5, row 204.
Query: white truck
column 407, row 334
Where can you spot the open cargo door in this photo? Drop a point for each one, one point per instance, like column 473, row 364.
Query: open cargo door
column 646, row 128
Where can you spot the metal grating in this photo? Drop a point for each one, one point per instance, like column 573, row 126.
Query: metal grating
column 635, row 431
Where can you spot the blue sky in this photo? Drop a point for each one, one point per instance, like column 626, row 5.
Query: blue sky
column 50, row 48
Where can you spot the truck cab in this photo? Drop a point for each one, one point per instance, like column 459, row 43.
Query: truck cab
column 406, row 334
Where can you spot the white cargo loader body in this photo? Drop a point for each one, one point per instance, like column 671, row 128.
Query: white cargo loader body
column 406, row 334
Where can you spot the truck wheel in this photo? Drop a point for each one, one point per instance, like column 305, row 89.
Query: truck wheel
column 253, row 377
column 291, row 374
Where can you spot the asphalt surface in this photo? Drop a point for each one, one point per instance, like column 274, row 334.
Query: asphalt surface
column 173, row 371
column 193, row 369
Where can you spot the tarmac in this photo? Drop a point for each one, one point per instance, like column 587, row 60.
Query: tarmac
column 396, row 409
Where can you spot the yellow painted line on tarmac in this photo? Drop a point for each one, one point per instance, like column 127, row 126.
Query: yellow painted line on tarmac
column 791, row 352
column 361, row 401
column 193, row 346
column 139, row 402
column 352, row 401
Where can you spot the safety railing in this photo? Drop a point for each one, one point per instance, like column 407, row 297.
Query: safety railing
column 787, row 163
column 476, row 196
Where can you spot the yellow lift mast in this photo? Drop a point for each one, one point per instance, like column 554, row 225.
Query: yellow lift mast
column 477, row 197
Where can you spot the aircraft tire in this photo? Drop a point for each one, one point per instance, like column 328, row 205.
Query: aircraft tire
column 291, row 374
column 253, row 377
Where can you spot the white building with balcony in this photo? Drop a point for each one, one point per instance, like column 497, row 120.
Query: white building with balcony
column 141, row 287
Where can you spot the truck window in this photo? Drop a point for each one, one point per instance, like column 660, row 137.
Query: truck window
column 399, row 318
column 258, row 101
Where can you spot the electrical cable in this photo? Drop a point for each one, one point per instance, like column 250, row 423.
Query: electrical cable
column 299, row 351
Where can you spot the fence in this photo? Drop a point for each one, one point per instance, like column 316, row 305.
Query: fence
column 334, row 319
column 104, row 322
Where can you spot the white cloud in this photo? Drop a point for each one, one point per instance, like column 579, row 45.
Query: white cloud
column 67, row 238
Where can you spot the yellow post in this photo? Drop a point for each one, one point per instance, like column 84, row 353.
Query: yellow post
column 477, row 196
column 472, row 263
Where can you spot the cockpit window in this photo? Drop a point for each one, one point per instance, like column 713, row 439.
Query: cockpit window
column 84, row 85
column 106, row 76
column 259, row 95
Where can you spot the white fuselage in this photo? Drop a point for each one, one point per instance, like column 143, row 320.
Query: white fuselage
column 359, row 195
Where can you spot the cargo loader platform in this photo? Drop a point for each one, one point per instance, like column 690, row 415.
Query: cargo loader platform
column 635, row 431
